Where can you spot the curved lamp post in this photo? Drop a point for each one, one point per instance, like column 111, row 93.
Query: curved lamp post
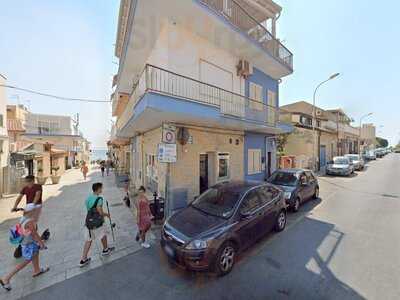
column 333, row 76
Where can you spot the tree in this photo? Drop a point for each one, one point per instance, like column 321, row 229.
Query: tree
column 381, row 142
column 281, row 141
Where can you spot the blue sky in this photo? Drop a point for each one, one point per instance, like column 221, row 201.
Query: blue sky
column 67, row 48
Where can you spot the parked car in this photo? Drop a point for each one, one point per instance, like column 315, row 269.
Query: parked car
column 340, row 166
column 357, row 161
column 369, row 155
column 299, row 186
column 223, row 221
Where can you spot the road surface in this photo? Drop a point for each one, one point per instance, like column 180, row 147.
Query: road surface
column 344, row 246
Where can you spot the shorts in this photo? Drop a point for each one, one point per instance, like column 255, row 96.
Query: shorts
column 29, row 250
column 91, row 235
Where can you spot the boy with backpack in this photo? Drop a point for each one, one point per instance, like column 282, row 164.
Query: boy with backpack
column 95, row 227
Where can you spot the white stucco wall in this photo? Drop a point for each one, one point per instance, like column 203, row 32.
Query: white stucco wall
column 3, row 126
column 65, row 123
column 180, row 50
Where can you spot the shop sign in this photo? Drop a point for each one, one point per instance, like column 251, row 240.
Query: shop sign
column 167, row 153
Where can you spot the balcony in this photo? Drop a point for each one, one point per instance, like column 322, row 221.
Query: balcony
column 208, row 103
column 241, row 19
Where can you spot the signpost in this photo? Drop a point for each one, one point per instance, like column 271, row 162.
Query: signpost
column 166, row 153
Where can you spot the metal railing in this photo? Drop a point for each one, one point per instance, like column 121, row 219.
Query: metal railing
column 239, row 17
column 231, row 104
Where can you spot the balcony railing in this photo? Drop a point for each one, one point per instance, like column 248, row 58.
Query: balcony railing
column 239, row 17
column 161, row 81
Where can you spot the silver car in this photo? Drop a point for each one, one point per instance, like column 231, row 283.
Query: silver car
column 357, row 161
column 340, row 166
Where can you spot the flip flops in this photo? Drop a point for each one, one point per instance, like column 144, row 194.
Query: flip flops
column 42, row 271
column 5, row 286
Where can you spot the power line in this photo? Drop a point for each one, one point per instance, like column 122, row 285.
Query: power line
column 54, row 96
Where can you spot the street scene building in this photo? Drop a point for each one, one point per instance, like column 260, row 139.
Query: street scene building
column 335, row 136
column 154, row 149
column 203, row 105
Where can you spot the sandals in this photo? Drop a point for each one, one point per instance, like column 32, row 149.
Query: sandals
column 5, row 286
column 42, row 271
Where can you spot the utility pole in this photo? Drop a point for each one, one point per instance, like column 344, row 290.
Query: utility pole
column 314, row 156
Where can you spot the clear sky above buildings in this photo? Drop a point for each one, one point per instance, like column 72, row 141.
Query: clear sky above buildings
column 66, row 47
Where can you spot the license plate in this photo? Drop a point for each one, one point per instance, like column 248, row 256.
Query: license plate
column 169, row 251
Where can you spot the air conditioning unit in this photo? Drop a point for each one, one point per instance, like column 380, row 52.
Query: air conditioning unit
column 244, row 68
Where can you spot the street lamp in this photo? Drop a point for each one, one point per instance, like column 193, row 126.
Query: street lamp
column 333, row 76
column 359, row 142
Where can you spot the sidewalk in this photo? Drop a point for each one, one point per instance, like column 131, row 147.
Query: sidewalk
column 64, row 213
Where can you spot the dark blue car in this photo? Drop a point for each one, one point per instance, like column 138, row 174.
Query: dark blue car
column 299, row 186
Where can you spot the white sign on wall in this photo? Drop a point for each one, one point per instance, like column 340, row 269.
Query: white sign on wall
column 169, row 134
column 166, row 153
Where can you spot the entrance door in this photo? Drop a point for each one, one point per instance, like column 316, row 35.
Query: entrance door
column 269, row 161
column 322, row 156
column 203, row 183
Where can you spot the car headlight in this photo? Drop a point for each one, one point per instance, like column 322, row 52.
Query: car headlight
column 288, row 195
column 197, row 245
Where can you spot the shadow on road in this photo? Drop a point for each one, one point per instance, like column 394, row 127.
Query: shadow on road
column 294, row 264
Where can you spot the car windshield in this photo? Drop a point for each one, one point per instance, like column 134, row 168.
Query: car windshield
column 341, row 161
column 353, row 157
column 283, row 178
column 217, row 202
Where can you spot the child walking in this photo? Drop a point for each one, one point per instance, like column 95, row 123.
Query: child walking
column 31, row 244
column 143, row 217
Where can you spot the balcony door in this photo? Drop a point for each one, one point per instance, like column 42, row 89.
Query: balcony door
column 221, row 91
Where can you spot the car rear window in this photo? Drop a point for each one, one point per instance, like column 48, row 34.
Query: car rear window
column 283, row 178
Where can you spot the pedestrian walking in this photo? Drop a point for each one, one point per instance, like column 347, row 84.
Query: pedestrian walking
column 95, row 227
column 143, row 217
column 102, row 168
column 84, row 170
column 31, row 244
column 33, row 194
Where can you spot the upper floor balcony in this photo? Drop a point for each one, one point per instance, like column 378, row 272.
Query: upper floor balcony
column 232, row 11
column 163, row 96
column 182, row 29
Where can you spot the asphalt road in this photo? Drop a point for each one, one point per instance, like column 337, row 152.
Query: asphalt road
column 345, row 245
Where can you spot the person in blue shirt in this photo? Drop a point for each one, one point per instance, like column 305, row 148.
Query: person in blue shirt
column 100, row 232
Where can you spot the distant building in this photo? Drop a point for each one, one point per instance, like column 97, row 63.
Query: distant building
column 368, row 136
column 4, row 142
column 41, row 142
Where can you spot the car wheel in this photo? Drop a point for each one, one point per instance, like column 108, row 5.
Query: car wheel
column 296, row 205
column 225, row 259
column 280, row 221
column 316, row 193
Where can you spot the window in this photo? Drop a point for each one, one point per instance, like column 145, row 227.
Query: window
column 1, row 146
column 1, row 120
column 223, row 166
column 271, row 101
column 305, row 121
column 267, row 194
column 254, row 161
column 310, row 176
column 250, row 203
column 255, row 94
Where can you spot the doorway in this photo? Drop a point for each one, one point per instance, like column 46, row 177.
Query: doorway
column 203, row 179
column 269, row 161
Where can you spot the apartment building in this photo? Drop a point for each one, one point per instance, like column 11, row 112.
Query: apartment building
column 348, row 136
column 40, row 142
column 301, row 143
column 4, row 143
column 368, row 137
column 197, row 92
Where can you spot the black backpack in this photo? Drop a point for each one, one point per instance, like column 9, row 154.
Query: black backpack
column 93, row 218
